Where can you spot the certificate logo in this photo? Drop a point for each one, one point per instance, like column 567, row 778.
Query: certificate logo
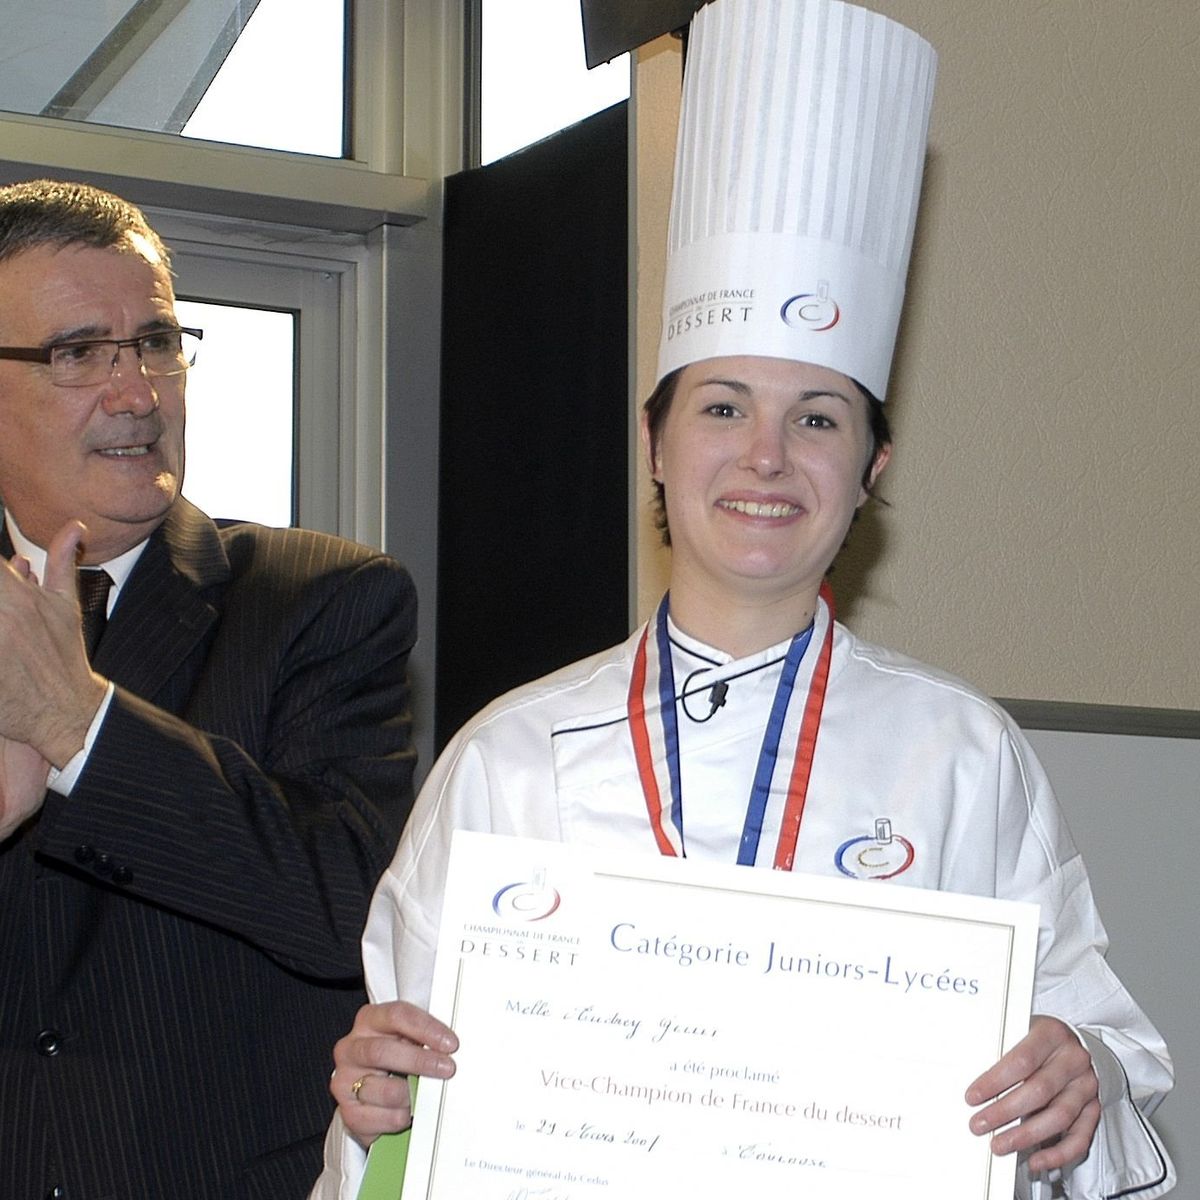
column 527, row 900
column 816, row 311
column 882, row 856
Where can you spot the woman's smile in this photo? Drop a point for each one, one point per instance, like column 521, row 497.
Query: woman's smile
column 762, row 508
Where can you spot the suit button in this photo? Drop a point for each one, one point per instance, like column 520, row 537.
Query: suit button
column 56, row 1193
column 104, row 865
column 48, row 1042
column 122, row 875
column 84, row 854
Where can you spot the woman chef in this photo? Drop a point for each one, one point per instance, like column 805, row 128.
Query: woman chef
column 742, row 724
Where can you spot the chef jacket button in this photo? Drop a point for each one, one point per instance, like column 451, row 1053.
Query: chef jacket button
column 48, row 1043
column 122, row 875
column 104, row 865
column 84, row 854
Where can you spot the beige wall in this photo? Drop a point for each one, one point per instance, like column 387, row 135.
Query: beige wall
column 1045, row 489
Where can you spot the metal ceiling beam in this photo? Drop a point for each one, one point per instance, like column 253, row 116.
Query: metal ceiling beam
column 107, row 65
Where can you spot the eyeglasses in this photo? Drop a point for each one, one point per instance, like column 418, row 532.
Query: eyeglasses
column 87, row 363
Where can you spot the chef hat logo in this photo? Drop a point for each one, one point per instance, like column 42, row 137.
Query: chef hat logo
column 799, row 158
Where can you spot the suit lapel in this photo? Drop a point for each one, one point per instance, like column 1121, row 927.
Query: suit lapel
column 167, row 605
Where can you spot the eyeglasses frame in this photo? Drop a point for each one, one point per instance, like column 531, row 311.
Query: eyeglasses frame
column 44, row 354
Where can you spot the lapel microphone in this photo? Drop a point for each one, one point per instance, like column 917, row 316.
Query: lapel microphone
column 716, row 697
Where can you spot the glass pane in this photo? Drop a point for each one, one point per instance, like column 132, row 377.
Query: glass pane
column 240, row 412
column 274, row 68
column 534, row 78
column 283, row 83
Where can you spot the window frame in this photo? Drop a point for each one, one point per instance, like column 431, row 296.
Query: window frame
column 312, row 291
column 405, row 136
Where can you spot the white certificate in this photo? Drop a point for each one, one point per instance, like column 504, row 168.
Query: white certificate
column 645, row 1027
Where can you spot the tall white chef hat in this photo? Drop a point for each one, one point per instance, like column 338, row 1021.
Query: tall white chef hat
column 797, row 176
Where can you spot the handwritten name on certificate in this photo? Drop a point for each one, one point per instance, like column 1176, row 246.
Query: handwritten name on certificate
column 644, row 1027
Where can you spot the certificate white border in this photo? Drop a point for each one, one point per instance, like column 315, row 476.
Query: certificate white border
column 511, row 857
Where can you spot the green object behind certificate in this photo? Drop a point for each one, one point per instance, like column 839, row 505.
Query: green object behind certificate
column 384, row 1177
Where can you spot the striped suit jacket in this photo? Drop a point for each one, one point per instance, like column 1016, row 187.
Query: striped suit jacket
column 179, row 939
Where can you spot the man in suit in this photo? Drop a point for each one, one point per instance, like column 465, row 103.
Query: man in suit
column 192, row 822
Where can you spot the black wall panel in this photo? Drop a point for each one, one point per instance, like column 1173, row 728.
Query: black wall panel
column 532, row 522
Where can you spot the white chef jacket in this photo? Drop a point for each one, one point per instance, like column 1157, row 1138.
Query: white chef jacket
column 947, row 772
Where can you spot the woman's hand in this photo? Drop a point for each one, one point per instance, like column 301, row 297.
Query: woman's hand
column 1047, row 1083
column 388, row 1043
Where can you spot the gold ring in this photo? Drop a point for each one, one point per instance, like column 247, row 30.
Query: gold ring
column 356, row 1087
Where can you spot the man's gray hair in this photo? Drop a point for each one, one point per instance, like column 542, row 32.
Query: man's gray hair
column 45, row 212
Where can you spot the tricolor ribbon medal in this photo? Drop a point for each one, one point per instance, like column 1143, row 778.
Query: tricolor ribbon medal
column 656, row 743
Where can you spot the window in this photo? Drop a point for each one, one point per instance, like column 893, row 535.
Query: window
column 265, row 399
column 533, row 76
column 283, row 84
column 241, row 400
column 265, row 73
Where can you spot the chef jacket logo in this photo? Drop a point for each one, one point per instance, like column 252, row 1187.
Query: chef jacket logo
column 883, row 856
column 527, row 900
column 816, row 311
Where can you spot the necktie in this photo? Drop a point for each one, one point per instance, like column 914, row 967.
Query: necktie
column 93, row 605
